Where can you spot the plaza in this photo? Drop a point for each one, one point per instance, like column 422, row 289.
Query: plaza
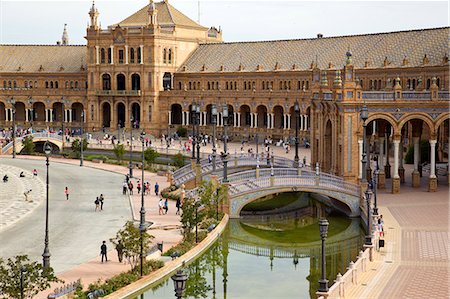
column 357, row 124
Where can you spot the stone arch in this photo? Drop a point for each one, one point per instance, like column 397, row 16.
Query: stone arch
column 441, row 119
column 245, row 115
column 176, row 112
column 261, row 112
column 106, row 114
column 386, row 117
column 57, row 111
column 422, row 116
column 77, row 109
column 121, row 114
column 230, row 115
column 208, row 110
column 38, row 113
column 136, row 114
column 278, row 118
column 442, row 134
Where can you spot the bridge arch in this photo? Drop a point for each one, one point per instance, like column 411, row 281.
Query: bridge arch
column 385, row 117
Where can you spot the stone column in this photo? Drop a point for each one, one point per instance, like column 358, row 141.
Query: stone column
column 415, row 173
column 289, row 121
column 432, row 181
column 126, row 54
column 112, row 54
column 360, row 150
column 187, row 118
column 268, row 120
column 306, row 122
column 97, row 60
column 204, row 118
column 272, row 120
column 51, row 115
column 183, row 116
column 170, row 117
column 401, row 169
column 70, row 115
column 387, row 167
column 239, row 119
column 142, row 53
column 381, row 184
column 396, row 178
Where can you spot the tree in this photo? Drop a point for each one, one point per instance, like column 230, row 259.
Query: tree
column 119, row 151
column 178, row 160
column 76, row 146
column 150, row 155
column 130, row 236
column 35, row 277
column 28, row 145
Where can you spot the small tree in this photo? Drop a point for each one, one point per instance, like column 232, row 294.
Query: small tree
column 130, row 236
column 178, row 160
column 28, row 145
column 150, row 155
column 76, row 146
column 119, row 151
column 35, row 277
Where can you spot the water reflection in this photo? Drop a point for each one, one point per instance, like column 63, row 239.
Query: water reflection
column 252, row 261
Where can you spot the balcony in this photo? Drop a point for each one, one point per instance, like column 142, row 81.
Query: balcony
column 127, row 93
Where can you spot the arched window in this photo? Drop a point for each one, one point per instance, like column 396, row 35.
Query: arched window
column 56, row 84
column 102, row 55
column 4, row 84
column 169, row 56
column 438, row 82
column 132, row 55
column 121, row 82
column 71, row 84
column 408, row 84
column 76, row 84
column 164, row 56
column 46, row 84
column 51, row 84
column 139, row 55
column 26, row 84
column 428, row 83
column 67, row 84
column 413, row 83
column 135, row 82
column 106, row 82
column 15, row 84
column 179, row 85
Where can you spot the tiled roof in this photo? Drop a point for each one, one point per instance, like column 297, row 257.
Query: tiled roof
column 167, row 15
column 368, row 50
column 42, row 58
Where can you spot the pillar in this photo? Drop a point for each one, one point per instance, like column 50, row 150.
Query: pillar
column 97, row 60
column 415, row 174
column 272, row 120
column 401, row 169
column 112, row 54
column 289, row 121
column 432, row 181
column 268, row 121
column 381, row 175
column 183, row 118
column 204, row 118
column 126, row 54
column 187, row 117
column 306, row 122
column 255, row 122
column 251, row 120
column 387, row 167
column 360, row 150
column 396, row 178
column 142, row 53
column 51, row 115
column 239, row 119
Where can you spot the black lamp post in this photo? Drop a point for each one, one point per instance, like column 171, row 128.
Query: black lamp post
column 364, row 114
column 130, row 165
column 197, row 115
column 374, row 191
column 368, row 235
column 12, row 101
column 46, row 254
column 214, row 123
column 194, row 120
column 142, row 212
column 323, row 282
column 82, row 139
column 297, row 112
column 23, row 270
column 225, row 138
column 179, row 283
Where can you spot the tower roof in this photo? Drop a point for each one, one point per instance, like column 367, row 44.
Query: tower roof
column 167, row 15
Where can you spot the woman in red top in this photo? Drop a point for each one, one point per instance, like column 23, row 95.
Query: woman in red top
column 66, row 192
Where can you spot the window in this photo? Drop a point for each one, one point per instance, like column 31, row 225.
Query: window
column 76, row 84
column 135, row 82
column 51, row 84
column 56, row 84
column 132, row 55
column 106, row 82
column 120, row 82
column 71, row 84
column 438, row 82
column 190, row 85
column 46, row 84
column 67, row 84
column 15, row 84
column 26, row 84
column 139, row 54
column 102, row 55
column 179, row 85
column 169, row 56
column 164, row 56
column 109, row 55
column 428, row 83
column 120, row 56
column 150, row 113
column 4, row 84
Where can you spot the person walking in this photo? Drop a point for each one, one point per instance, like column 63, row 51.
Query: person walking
column 139, row 187
column 101, row 199
column 147, row 188
column 97, row 202
column 130, row 187
column 124, row 188
column 178, row 205
column 156, row 188
column 103, row 251
column 119, row 248
column 66, row 192
column 161, row 206
column 166, row 206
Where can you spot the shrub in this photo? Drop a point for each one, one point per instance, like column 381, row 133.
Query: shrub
column 119, row 151
column 178, row 160
column 28, row 145
column 181, row 131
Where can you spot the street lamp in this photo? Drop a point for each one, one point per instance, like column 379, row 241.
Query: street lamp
column 225, row 137
column 368, row 235
column 214, row 123
column 12, row 101
column 374, row 191
column 297, row 112
column 179, row 283
column 194, row 119
column 46, row 254
column 130, row 165
column 82, row 141
column 364, row 114
column 197, row 115
column 323, row 282
column 23, row 270
column 142, row 212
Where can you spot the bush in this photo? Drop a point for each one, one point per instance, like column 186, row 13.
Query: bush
column 119, row 151
column 150, row 155
column 181, row 131
column 424, row 153
column 178, row 160
column 28, row 145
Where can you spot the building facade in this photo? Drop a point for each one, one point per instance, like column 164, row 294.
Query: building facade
column 147, row 70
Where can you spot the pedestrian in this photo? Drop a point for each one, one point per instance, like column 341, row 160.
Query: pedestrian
column 130, row 187
column 304, row 161
column 35, row 172
column 101, row 199
column 119, row 248
column 156, row 189
column 161, row 206
column 166, row 206
column 97, row 202
column 381, row 226
column 178, row 205
column 147, row 188
column 66, row 192
column 127, row 178
column 103, row 251
column 124, row 188
column 139, row 187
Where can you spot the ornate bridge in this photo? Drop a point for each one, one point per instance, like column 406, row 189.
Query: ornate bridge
column 247, row 186
column 54, row 138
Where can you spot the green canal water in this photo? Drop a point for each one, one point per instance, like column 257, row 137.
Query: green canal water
column 270, row 256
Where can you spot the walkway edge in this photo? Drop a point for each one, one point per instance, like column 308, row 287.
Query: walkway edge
column 132, row 290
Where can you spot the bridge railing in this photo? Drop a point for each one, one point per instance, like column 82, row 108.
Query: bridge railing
column 34, row 135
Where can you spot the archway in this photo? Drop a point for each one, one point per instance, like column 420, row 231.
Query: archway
column 245, row 116
column 121, row 114
column 38, row 113
column 230, row 115
column 2, row 112
column 106, row 119
column 278, row 117
column 175, row 114
column 443, row 138
column 20, row 111
column 106, row 82
column 328, row 147
column 77, row 109
column 135, row 82
column 57, row 111
column 208, row 114
column 136, row 114
column 121, row 82
column 262, row 116
column 167, row 81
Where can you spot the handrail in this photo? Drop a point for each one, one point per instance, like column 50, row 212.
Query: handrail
column 34, row 135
